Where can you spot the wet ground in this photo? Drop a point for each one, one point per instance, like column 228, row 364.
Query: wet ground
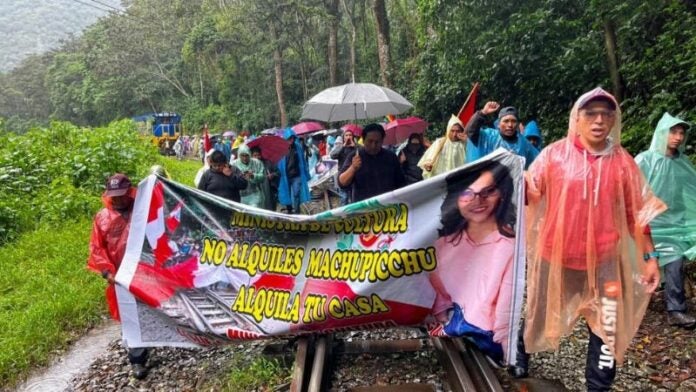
column 78, row 358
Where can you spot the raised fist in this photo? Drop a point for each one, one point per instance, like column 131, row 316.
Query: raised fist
column 490, row 107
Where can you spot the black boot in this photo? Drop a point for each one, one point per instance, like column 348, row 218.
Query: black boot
column 681, row 319
column 139, row 371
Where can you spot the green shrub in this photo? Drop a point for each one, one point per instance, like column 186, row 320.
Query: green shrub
column 57, row 173
column 63, row 201
column 50, row 185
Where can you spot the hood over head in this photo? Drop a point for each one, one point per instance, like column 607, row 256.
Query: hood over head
column 452, row 122
column 598, row 94
column 532, row 130
column 243, row 149
column 659, row 139
column 288, row 133
column 415, row 135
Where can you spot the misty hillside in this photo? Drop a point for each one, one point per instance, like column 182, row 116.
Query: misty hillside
column 36, row 26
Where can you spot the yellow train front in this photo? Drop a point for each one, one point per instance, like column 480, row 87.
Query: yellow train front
column 166, row 129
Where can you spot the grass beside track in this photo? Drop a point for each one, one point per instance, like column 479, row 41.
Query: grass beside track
column 183, row 171
column 47, row 296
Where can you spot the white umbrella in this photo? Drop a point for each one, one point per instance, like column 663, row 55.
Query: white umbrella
column 354, row 101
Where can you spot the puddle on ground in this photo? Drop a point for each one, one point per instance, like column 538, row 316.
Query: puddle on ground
column 56, row 378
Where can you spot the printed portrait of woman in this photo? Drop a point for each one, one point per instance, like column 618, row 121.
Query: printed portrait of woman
column 475, row 249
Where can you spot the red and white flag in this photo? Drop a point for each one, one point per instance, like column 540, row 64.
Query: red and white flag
column 155, row 227
column 174, row 217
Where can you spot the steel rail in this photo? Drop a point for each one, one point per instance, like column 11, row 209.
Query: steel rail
column 467, row 368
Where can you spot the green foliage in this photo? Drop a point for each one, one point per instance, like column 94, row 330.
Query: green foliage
column 213, row 61
column 57, row 173
column 47, row 296
column 63, row 201
column 194, row 116
column 50, row 182
column 260, row 374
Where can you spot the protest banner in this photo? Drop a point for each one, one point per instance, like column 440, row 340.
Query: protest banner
column 445, row 253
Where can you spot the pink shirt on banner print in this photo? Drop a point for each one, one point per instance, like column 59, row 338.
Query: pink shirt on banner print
column 478, row 277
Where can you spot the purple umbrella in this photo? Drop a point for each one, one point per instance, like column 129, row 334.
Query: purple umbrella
column 228, row 134
column 307, row 127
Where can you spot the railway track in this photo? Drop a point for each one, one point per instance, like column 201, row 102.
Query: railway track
column 465, row 367
column 208, row 311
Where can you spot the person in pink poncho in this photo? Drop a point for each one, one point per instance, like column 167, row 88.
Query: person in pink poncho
column 589, row 249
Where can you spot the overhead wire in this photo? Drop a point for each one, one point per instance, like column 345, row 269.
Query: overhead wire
column 107, row 5
column 91, row 5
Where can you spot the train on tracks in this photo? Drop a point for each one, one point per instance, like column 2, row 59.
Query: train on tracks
column 166, row 129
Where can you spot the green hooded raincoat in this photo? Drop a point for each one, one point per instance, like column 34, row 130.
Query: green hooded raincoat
column 673, row 179
column 252, row 195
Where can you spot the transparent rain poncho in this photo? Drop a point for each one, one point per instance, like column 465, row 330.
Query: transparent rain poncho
column 673, row 179
column 444, row 154
column 586, row 218
column 252, row 195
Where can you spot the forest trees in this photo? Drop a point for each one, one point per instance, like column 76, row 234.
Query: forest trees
column 249, row 64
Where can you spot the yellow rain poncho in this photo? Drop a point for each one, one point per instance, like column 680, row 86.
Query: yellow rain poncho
column 444, row 154
column 673, row 179
column 586, row 219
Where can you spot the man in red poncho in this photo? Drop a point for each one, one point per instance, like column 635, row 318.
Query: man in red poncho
column 108, row 245
column 589, row 249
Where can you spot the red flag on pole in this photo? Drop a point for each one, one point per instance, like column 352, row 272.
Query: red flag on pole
column 206, row 139
column 469, row 108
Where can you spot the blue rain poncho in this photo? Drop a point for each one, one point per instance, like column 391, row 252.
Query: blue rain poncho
column 253, row 194
column 487, row 140
column 673, row 179
column 532, row 130
column 284, row 193
column 313, row 160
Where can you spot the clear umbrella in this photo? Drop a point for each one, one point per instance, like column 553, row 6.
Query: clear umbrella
column 354, row 101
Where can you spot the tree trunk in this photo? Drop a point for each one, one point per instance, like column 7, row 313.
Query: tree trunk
column 303, row 57
column 353, row 38
column 332, row 9
column 613, row 59
column 200, row 80
column 382, row 21
column 172, row 80
column 278, row 65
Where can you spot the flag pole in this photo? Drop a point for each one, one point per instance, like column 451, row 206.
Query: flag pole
column 473, row 91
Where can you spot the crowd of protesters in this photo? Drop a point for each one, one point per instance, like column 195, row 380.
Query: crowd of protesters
column 585, row 188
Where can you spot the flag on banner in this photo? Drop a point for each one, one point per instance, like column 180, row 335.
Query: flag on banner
column 155, row 227
column 469, row 107
column 174, row 217
column 230, row 271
